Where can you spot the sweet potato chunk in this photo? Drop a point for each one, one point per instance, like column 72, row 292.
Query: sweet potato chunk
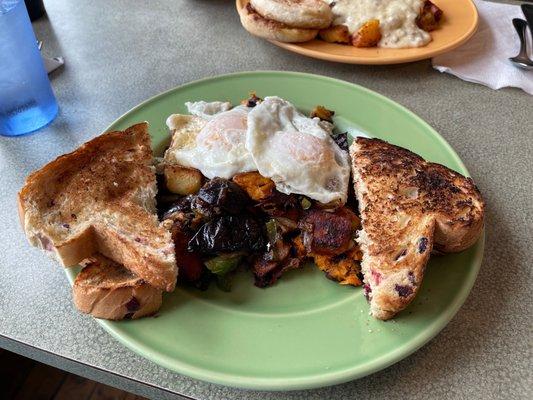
column 256, row 186
column 323, row 113
column 344, row 268
column 335, row 34
column 368, row 34
column 299, row 248
column 182, row 180
column 429, row 17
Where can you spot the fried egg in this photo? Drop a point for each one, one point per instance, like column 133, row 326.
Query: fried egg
column 297, row 152
column 207, row 110
column 211, row 140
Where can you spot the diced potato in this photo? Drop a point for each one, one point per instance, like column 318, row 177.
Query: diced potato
column 429, row 17
column 335, row 34
column 182, row 180
column 256, row 186
column 323, row 113
column 368, row 34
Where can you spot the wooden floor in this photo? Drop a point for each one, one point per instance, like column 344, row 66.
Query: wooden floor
column 25, row 379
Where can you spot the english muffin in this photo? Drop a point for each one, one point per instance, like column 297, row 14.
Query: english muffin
column 266, row 28
column 310, row 14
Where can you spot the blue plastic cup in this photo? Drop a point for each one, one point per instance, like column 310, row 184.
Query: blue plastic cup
column 27, row 101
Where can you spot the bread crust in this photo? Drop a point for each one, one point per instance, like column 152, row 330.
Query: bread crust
column 409, row 207
column 269, row 29
column 106, row 290
column 101, row 197
column 309, row 14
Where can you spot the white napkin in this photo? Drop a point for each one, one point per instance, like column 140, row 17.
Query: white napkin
column 484, row 58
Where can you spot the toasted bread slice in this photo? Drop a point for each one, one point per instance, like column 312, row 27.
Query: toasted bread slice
column 408, row 207
column 101, row 198
column 107, row 290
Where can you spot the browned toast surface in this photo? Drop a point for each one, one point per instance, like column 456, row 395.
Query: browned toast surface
column 408, row 207
column 101, row 197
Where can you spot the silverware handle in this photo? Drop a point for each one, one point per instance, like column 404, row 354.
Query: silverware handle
column 527, row 9
column 521, row 26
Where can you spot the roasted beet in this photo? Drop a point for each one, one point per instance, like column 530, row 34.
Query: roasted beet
column 220, row 196
column 190, row 264
column 229, row 233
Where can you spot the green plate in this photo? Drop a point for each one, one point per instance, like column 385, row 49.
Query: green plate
column 306, row 331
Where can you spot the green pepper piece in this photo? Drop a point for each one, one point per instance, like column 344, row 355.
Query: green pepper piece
column 223, row 263
column 272, row 231
column 306, row 203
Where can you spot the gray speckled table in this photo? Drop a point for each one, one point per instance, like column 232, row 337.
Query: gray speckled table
column 121, row 52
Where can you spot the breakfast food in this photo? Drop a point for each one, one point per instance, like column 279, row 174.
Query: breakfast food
column 260, row 186
column 361, row 23
column 107, row 290
column 101, row 198
column 336, row 34
column 408, row 207
column 368, row 34
column 390, row 23
column 269, row 29
column 275, row 185
column 215, row 145
column 289, row 202
column 297, row 152
column 314, row 14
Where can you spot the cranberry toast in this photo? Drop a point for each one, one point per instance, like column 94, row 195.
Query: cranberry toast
column 101, row 198
column 107, row 290
column 408, row 207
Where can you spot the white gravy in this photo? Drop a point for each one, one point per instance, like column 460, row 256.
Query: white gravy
column 397, row 20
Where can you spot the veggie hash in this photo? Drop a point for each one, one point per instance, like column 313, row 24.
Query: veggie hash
column 246, row 221
column 243, row 222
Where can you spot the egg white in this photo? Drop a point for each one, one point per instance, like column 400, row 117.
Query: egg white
column 297, row 152
column 212, row 140
column 207, row 110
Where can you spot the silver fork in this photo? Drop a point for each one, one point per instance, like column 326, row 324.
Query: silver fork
column 521, row 60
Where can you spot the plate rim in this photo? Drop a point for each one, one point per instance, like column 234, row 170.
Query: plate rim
column 319, row 55
column 311, row 381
